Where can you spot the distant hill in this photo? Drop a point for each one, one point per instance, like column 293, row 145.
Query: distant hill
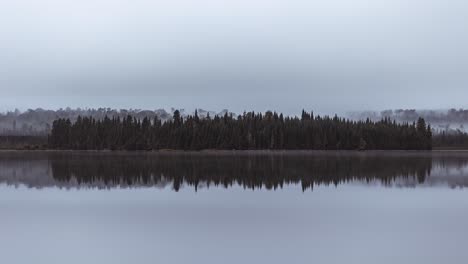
column 440, row 120
column 38, row 122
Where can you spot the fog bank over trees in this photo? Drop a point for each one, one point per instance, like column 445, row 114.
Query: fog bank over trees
column 441, row 120
column 39, row 121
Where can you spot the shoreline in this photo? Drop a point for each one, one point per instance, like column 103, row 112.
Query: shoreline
column 224, row 151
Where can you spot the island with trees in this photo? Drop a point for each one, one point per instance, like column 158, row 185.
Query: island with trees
column 249, row 131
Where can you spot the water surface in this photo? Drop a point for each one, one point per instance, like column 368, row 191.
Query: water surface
column 231, row 207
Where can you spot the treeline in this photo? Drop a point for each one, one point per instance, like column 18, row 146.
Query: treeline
column 23, row 142
column 451, row 140
column 459, row 116
column 248, row 131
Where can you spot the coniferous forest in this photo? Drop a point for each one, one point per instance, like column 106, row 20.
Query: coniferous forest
column 250, row 131
column 450, row 140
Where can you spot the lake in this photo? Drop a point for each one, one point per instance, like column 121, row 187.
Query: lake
column 233, row 207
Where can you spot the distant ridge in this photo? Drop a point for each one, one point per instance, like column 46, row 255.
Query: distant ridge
column 440, row 120
column 38, row 122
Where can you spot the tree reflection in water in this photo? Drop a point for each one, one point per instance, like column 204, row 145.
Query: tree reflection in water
column 251, row 171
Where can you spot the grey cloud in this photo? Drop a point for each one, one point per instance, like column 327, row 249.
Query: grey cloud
column 339, row 54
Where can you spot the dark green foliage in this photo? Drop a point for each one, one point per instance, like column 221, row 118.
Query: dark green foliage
column 451, row 140
column 23, row 142
column 248, row 131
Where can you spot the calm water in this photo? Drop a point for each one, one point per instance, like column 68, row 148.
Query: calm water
column 301, row 207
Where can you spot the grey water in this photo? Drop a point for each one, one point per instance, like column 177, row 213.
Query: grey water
column 233, row 207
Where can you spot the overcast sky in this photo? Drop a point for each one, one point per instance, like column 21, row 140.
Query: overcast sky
column 327, row 55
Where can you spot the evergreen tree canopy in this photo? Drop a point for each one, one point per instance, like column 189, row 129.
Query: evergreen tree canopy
column 250, row 130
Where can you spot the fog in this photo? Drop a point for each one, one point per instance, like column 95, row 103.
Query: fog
column 331, row 56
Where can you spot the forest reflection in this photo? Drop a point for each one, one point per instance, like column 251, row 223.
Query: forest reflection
column 248, row 170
